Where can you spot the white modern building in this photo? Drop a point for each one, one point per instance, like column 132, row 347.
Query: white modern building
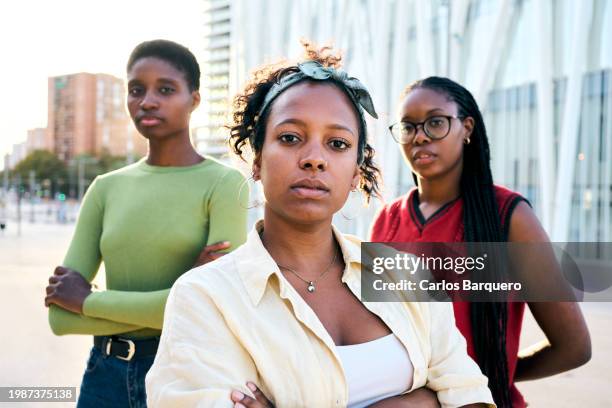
column 541, row 71
column 18, row 154
column 210, row 138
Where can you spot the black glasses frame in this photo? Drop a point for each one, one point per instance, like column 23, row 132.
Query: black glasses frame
column 422, row 125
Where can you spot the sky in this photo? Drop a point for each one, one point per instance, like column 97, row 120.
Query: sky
column 42, row 38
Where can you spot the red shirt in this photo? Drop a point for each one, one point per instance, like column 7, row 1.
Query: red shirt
column 402, row 221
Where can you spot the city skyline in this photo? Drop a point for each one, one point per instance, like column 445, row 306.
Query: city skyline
column 545, row 99
column 46, row 39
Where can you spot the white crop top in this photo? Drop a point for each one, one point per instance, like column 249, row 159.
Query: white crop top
column 376, row 370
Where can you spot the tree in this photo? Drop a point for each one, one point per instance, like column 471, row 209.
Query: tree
column 57, row 176
column 46, row 166
column 89, row 167
column 108, row 162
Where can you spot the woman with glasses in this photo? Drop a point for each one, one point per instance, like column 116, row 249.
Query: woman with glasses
column 283, row 311
column 442, row 137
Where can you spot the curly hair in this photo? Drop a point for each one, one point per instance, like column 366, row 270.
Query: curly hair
column 248, row 123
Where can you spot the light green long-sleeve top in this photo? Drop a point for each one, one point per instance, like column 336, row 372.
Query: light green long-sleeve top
column 147, row 224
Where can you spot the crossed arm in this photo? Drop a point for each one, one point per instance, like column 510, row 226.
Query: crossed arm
column 75, row 309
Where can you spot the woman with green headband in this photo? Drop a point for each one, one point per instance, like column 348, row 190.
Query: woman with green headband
column 283, row 312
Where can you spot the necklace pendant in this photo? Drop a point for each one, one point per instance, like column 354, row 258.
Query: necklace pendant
column 311, row 287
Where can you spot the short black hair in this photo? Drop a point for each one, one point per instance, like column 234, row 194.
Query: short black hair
column 173, row 53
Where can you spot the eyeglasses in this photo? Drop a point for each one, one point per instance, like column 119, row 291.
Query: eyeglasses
column 435, row 127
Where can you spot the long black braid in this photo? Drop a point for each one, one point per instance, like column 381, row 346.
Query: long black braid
column 482, row 223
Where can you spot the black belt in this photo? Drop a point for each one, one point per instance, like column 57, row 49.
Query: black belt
column 126, row 349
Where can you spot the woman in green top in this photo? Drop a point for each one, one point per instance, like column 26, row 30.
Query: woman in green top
column 148, row 223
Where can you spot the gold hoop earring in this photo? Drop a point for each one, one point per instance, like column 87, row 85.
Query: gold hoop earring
column 355, row 212
column 467, row 141
column 255, row 203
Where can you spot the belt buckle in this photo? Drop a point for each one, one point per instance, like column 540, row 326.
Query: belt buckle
column 131, row 349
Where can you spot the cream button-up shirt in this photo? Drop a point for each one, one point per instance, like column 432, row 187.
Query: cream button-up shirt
column 238, row 319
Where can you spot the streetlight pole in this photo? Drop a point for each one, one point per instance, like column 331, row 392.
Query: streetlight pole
column 81, row 177
column 6, row 175
column 18, row 187
column 32, row 182
column 4, row 195
column 81, row 162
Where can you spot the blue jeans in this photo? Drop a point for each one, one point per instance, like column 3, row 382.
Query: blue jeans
column 111, row 382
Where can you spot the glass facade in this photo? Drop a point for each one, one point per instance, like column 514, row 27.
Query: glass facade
column 210, row 137
column 540, row 70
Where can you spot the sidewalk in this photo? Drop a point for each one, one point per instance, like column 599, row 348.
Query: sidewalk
column 587, row 386
column 30, row 355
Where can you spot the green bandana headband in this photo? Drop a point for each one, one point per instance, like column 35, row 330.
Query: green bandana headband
column 357, row 92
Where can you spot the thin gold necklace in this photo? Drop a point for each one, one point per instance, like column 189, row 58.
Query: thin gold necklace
column 311, row 283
